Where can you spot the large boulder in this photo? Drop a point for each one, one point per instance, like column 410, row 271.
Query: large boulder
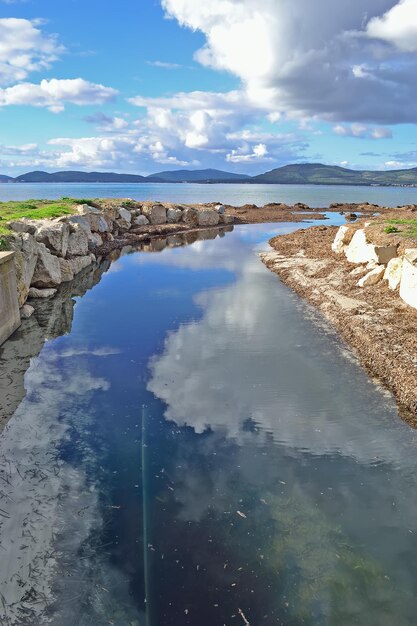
column 190, row 216
column 67, row 273
column 156, row 213
column 408, row 285
column 360, row 250
column 26, row 250
column 124, row 214
column 79, row 263
column 208, row 217
column 393, row 272
column 79, row 220
column 54, row 235
column 47, row 271
column 373, row 277
column 24, row 225
column 343, row 238
column 141, row 220
column 174, row 216
column 41, row 293
column 78, row 241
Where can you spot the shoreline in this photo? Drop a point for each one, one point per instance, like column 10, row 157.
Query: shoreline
column 372, row 320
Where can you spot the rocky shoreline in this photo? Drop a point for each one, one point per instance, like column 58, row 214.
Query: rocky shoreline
column 351, row 275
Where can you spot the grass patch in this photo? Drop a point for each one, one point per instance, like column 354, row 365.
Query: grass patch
column 35, row 209
column 410, row 229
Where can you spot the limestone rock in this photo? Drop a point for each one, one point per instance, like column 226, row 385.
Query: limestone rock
column 79, row 220
column 26, row 311
column 79, row 263
column 86, row 209
column 220, row 208
column 372, row 277
column 67, row 273
column 41, row 293
column 54, row 235
column 408, row 285
column 26, row 251
column 190, row 216
column 123, row 225
column 156, row 213
column 393, row 272
column 95, row 239
column 47, row 271
column 124, row 214
column 24, row 225
column 384, row 254
column 77, row 242
column 208, row 217
column 226, row 219
column 343, row 238
column 141, row 220
column 174, row 216
column 359, row 250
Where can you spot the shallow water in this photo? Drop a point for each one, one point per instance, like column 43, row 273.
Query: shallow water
column 200, row 449
column 235, row 194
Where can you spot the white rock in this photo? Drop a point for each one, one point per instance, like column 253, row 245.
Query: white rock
column 86, row 209
column 408, row 285
column 156, row 213
column 47, row 271
column 26, row 311
column 77, row 242
column 359, row 250
column 372, row 277
column 54, row 235
column 41, row 293
column 342, row 239
column 174, row 216
column 393, row 272
column 124, row 214
column 207, row 217
column 141, row 220
column 220, row 208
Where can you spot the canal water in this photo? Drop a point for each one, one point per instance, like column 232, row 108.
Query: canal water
column 194, row 446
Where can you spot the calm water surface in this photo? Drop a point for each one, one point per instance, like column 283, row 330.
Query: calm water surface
column 315, row 196
column 199, row 449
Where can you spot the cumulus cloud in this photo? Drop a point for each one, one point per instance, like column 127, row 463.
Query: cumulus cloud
column 24, row 48
column 362, row 131
column 54, row 93
column 309, row 59
column 397, row 26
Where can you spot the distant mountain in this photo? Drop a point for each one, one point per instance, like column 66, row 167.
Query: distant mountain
column 6, row 179
column 80, row 177
column 199, row 176
column 318, row 174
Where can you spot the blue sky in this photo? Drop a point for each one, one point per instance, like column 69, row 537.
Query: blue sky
column 243, row 85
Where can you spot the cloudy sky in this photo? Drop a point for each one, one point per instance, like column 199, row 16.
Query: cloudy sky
column 244, row 85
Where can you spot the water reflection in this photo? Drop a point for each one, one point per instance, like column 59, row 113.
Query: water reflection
column 267, row 479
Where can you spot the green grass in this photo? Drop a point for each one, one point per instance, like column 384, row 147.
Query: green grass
column 35, row 209
column 409, row 231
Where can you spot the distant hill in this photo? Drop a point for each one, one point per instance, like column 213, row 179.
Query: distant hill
column 318, row 174
column 80, row 177
column 299, row 174
column 199, row 176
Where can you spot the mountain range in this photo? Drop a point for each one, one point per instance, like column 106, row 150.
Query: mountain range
column 300, row 174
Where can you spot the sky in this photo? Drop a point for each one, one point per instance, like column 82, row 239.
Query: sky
column 142, row 86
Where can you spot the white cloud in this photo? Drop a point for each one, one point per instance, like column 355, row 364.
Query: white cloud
column 397, row 26
column 362, row 131
column 165, row 65
column 54, row 93
column 24, row 48
column 310, row 59
column 243, row 155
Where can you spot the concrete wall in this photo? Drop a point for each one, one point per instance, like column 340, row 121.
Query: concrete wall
column 9, row 308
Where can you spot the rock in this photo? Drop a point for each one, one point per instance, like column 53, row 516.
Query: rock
column 124, row 214
column 123, row 225
column 384, row 254
column 156, row 213
column 67, row 273
column 95, row 239
column 207, row 217
column 226, row 219
column 343, row 238
column 26, row 311
column 174, row 216
column 372, row 277
column 351, row 217
column 393, row 272
column 141, row 220
column 359, row 250
column 99, row 224
column 24, row 225
column 47, row 271
column 41, row 293
column 408, row 284
column 79, row 220
column 86, row 209
column 78, row 241
column 220, row 208
column 26, row 250
column 54, row 235
column 79, row 263
column 190, row 217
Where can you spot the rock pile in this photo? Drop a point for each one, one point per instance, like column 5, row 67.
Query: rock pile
column 49, row 252
column 378, row 262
